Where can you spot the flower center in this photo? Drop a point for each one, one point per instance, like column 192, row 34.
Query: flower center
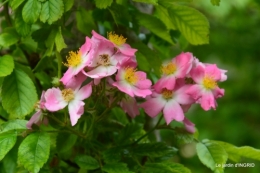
column 104, row 60
column 67, row 94
column 130, row 75
column 209, row 82
column 169, row 68
column 116, row 39
column 74, row 59
column 167, row 94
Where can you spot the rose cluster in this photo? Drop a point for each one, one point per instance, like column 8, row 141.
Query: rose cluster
column 184, row 81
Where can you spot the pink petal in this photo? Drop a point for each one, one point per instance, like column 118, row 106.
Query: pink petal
column 189, row 126
column 173, row 111
column 182, row 97
column 141, row 92
column 76, row 109
column 223, row 75
column 34, row 119
column 76, row 81
column 197, row 74
column 127, row 50
column 124, row 87
column 102, row 71
column 217, row 92
column 85, row 47
column 153, row 106
column 183, row 63
column 207, row 101
column 129, row 105
column 167, row 82
column 98, row 36
column 213, row 71
column 54, row 100
column 67, row 76
column 84, row 92
column 194, row 91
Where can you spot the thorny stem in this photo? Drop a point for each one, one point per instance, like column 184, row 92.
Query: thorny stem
column 150, row 131
column 68, row 127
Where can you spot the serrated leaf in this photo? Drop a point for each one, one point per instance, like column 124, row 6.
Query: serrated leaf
column 21, row 26
column 7, row 141
column 128, row 133
column 59, row 41
column 68, row 4
column 211, row 153
column 18, row 94
column 115, row 168
column 155, row 25
column 154, row 2
column 215, row 2
column 153, row 149
column 86, row 162
column 167, row 167
column 31, row 11
column 14, row 4
column 163, row 15
column 6, row 65
column 235, row 153
column 13, row 125
column 191, row 23
column 7, row 39
column 112, row 155
column 103, row 3
column 34, row 151
column 85, row 21
column 65, row 142
column 51, row 11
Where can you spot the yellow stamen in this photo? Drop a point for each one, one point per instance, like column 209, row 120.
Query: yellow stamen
column 209, row 82
column 130, row 75
column 167, row 94
column 104, row 60
column 67, row 94
column 74, row 59
column 116, row 39
column 168, row 69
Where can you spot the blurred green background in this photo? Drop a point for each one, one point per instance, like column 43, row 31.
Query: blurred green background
column 234, row 46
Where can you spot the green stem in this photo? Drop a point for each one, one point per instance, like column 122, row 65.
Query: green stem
column 58, row 56
column 150, row 131
column 68, row 127
column 6, row 12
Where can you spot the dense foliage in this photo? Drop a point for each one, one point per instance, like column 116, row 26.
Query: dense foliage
column 109, row 125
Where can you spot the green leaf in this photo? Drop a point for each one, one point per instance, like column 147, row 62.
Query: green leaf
column 16, row 3
column 13, row 125
column 7, row 141
column 153, row 149
column 103, row 3
column 9, row 162
column 154, row 2
column 215, row 2
column 115, row 168
column 235, row 153
column 59, row 41
column 211, row 154
column 6, row 65
column 51, row 11
column 192, row 24
column 155, row 25
column 31, row 11
column 86, row 162
column 50, row 41
column 162, row 14
column 65, row 142
column 21, row 26
column 129, row 133
column 112, row 155
column 7, row 39
column 34, row 151
column 85, row 21
column 18, row 94
column 68, row 4
column 167, row 167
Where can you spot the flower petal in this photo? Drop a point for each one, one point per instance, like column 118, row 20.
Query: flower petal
column 189, row 126
column 76, row 109
column 207, row 101
column 197, row 74
column 173, row 111
column 167, row 82
column 195, row 91
column 124, row 87
column 184, row 63
column 153, row 106
column 54, row 100
column 34, row 119
column 213, row 71
column 84, row 92
column 182, row 97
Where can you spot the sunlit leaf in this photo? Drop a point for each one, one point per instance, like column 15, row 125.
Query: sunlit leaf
column 21, row 26
column 68, row 4
column 86, row 162
column 8, row 38
column 59, row 41
column 31, row 11
column 85, row 21
column 51, row 11
column 167, row 167
column 154, row 2
column 103, row 3
column 6, row 65
column 215, row 2
column 13, row 125
column 7, row 141
column 14, row 4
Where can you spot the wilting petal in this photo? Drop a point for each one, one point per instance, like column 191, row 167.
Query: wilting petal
column 173, row 111
column 34, row 119
column 54, row 100
column 153, row 106
column 189, row 126
column 76, row 109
